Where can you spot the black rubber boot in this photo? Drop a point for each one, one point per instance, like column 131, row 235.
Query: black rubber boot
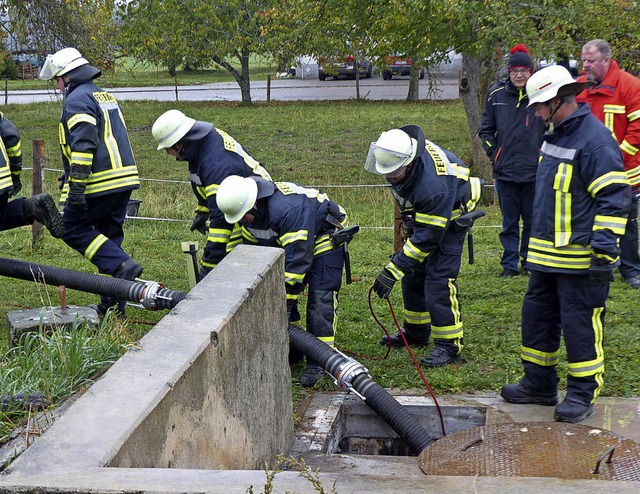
column 42, row 208
column 412, row 338
column 128, row 270
column 572, row 411
column 118, row 306
column 311, row 375
column 438, row 357
column 518, row 394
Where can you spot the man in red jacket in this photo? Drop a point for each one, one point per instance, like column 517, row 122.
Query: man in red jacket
column 615, row 100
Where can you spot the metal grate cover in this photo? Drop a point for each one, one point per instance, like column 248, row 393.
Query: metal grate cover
column 534, row 449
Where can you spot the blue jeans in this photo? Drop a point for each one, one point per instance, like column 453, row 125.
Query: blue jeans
column 516, row 201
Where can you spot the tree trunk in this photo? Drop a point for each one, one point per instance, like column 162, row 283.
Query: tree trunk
column 245, row 81
column 470, row 85
column 414, row 84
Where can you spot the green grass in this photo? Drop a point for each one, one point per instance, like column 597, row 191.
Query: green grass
column 320, row 144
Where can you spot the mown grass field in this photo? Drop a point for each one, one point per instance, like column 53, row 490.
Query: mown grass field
column 321, row 144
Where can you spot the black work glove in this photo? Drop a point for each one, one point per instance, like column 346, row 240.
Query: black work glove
column 61, row 181
column 17, row 185
column 384, row 283
column 200, row 223
column 600, row 271
column 76, row 198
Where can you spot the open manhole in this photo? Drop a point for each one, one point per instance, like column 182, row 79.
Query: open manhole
column 351, row 427
column 534, row 449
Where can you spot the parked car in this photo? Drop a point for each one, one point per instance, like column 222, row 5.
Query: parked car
column 345, row 68
column 399, row 65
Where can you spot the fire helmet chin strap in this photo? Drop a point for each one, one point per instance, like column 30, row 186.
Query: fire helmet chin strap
column 548, row 124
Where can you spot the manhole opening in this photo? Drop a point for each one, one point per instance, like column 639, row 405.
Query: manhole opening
column 358, row 430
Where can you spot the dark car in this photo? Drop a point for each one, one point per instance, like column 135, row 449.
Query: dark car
column 345, row 68
column 399, row 65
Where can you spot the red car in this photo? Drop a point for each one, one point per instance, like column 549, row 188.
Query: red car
column 399, row 65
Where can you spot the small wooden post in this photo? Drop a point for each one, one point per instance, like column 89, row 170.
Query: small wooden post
column 268, row 88
column 38, row 177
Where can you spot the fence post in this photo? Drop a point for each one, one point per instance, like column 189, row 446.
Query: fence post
column 398, row 242
column 268, row 88
column 6, row 91
column 36, row 186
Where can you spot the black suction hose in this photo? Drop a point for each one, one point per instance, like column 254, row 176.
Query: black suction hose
column 150, row 294
column 353, row 376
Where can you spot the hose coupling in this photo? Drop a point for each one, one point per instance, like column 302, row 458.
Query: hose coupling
column 346, row 373
column 150, row 294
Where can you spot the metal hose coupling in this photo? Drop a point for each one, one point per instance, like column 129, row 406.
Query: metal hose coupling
column 346, row 372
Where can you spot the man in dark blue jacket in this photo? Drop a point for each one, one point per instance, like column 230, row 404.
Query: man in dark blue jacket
column 511, row 136
column 300, row 220
column 432, row 188
column 581, row 204
column 213, row 155
column 99, row 168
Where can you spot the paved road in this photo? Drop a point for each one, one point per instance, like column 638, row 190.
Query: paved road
column 445, row 86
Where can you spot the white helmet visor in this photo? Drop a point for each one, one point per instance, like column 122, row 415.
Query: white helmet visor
column 392, row 159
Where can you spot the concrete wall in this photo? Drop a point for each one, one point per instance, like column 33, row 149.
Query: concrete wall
column 208, row 388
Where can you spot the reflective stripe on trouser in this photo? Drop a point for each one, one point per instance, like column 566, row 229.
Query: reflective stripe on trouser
column 570, row 306
column 324, row 279
column 439, row 294
column 417, row 321
column 97, row 232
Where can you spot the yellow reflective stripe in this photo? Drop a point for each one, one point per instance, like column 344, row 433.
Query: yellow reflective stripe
column 293, row 278
column 393, row 269
column 126, row 176
column 418, row 318
column 476, row 193
column 208, row 264
column 634, row 176
column 562, row 219
column 545, row 359
column 211, row 190
column 447, row 332
column 218, row 235
column 429, row 219
column 329, row 340
column 110, row 141
column 562, row 180
column 201, row 209
column 81, row 117
column 570, row 256
column 607, row 179
column 615, row 224
column 95, row 246
column 628, row 148
column 619, row 109
column 14, row 151
column 126, row 182
column 82, row 159
column 634, row 115
column 6, row 182
column 322, row 244
column 462, row 172
column 585, row 369
column 291, row 237
column 410, row 250
column 235, row 238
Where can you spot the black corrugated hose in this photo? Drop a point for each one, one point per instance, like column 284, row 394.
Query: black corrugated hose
column 150, row 294
column 353, row 376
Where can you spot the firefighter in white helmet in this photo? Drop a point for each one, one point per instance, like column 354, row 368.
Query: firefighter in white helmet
column 432, row 189
column 301, row 220
column 99, row 168
column 212, row 155
column 580, row 208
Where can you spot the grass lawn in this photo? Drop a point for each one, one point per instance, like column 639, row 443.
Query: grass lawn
column 321, row 144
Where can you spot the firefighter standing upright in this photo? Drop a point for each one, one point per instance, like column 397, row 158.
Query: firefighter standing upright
column 581, row 203
column 213, row 155
column 432, row 187
column 99, row 168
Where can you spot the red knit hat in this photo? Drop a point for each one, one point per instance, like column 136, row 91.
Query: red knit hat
column 520, row 57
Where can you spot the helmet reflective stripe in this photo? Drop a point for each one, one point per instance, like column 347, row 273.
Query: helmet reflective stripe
column 393, row 150
column 170, row 127
column 236, row 196
column 544, row 84
column 61, row 62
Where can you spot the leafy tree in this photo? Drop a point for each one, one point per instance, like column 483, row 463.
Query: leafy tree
column 48, row 25
column 174, row 32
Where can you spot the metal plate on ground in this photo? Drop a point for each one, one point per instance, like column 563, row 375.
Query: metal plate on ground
column 534, row 449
